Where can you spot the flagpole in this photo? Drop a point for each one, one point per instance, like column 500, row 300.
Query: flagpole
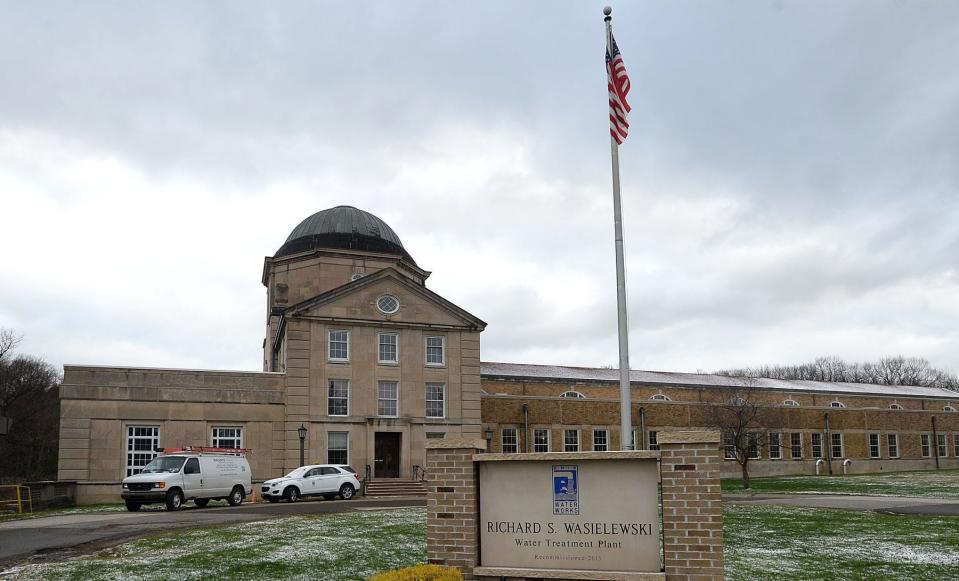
column 625, row 397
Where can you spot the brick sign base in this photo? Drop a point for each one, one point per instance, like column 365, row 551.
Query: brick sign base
column 692, row 511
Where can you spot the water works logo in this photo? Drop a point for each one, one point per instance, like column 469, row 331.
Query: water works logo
column 565, row 490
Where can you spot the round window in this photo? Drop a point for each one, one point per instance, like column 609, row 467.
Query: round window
column 388, row 304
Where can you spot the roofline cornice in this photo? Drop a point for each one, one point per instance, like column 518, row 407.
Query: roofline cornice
column 638, row 384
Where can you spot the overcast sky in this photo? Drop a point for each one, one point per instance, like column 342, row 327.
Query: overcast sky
column 790, row 181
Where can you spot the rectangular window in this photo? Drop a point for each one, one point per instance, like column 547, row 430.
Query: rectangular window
column 955, row 445
column 338, row 400
column 775, row 446
column 435, row 435
column 795, row 445
column 388, row 348
column 541, row 440
column 873, row 445
column 434, row 351
column 510, row 441
column 943, row 447
column 337, row 448
column 729, row 446
column 435, row 400
column 571, row 440
column 600, row 441
column 835, row 443
column 892, row 441
column 231, row 437
column 339, row 345
column 816, row 445
column 924, row 441
column 653, row 440
column 142, row 442
column 388, row 398
column 752, row 445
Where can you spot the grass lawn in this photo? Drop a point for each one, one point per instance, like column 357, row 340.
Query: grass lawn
column 927, row 483
column 792, row 543
column 805, row 543
column 344, row 546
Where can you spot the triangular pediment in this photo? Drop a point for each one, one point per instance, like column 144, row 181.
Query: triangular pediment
column 358, row 300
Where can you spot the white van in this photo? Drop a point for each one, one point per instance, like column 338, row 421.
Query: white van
column 188, row 474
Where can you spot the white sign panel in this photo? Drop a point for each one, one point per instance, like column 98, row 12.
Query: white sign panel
column 583, row 514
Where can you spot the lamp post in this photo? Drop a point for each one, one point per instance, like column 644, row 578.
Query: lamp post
column 302, row 432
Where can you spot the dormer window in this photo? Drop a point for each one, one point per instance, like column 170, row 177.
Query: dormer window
column 948, row 408
column 572, row 394
column 791, row 403
column 836, row 404
column 659, row 397
column 895, row 406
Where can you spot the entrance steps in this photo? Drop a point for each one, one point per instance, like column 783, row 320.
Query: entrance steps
column 395, row 487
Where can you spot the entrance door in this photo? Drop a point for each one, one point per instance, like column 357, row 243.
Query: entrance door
column 386, row 457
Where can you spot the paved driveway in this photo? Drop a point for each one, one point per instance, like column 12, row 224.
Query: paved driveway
column 885, row 504
column 68, row 534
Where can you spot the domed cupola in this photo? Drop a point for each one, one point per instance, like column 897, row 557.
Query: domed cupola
column 344, row 227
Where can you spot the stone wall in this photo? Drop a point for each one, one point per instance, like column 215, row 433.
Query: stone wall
column 98, row 404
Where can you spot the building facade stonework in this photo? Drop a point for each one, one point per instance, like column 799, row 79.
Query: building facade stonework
column 372, row 363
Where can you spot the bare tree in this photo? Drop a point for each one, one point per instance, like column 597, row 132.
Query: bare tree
column 743, row 421
column 8, row 342
column 29, row 398
column 893, row 370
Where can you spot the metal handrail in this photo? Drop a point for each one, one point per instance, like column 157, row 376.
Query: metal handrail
column 367, row 478
column 20, row 500
column 419, row 473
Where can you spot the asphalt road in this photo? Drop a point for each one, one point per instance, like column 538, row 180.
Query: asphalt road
column 63, row 536
column 884, row 504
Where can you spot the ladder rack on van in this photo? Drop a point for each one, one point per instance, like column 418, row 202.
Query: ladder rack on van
column 206, row 450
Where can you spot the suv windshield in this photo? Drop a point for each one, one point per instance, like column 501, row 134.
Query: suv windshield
column 297, row 473
column 164, row 464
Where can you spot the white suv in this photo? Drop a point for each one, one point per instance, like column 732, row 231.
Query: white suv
column 326, row 480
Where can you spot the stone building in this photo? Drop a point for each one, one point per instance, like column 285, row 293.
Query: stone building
column 362, row 354
column 875, row 427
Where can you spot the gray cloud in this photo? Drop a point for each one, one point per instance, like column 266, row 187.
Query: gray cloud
column 789, row 183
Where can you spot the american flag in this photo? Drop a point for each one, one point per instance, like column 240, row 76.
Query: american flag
column 618, row 82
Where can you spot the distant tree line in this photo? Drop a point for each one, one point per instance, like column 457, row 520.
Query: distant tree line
column 29, row 414
column 895, row 370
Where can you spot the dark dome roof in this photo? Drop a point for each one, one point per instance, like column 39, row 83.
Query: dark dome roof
column 343, row 227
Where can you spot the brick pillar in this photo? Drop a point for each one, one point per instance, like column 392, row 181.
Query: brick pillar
column 452, row 503
column 692, row 505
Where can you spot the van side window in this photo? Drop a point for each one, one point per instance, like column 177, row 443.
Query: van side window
column 192, row 466
column 329, row 470
column 312, row 473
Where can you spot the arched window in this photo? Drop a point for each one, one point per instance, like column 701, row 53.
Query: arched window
column 574, row 394
column 659, row 397
column 836, row 404
column 791, row 403
column 948, row 408
column 895, row 406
